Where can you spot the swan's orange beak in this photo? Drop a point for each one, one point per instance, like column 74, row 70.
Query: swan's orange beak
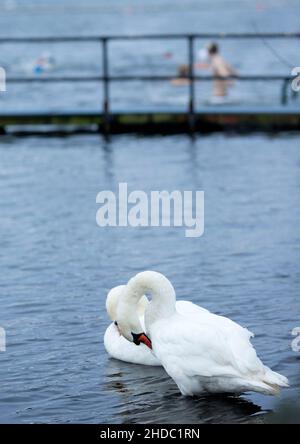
column 141, row 337
column 145, row 340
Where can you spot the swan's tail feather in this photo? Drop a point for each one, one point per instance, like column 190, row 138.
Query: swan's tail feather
column 270, row 383
column 262, row 387
column 275, row 379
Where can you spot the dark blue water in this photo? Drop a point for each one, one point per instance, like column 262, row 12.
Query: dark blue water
column 57, row 266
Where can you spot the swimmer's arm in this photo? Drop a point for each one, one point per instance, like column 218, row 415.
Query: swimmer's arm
column 231, row 71
column 202, row 65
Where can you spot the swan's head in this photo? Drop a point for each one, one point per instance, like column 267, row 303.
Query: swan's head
column 128, row 319
column 113, row 301
column 129, row 324
column 128, row 309
column 163, row 294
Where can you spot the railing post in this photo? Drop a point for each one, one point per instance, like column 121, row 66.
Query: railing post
column 105, row 71
column 191, row 117
column 284, row 94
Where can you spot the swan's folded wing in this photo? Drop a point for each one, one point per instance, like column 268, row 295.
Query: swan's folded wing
column 208, row 348
column 238, row 340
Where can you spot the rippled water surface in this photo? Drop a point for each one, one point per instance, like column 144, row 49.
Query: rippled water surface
column 57, row 266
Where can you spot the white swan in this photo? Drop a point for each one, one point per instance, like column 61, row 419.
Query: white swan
column 115, row 344
column 199, row 350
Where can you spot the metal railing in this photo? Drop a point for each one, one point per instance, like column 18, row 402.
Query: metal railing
column 106, row 78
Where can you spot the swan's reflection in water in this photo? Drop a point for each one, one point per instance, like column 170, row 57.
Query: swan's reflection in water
column 147, row 395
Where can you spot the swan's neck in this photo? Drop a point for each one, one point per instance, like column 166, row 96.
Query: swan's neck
column 162, row 293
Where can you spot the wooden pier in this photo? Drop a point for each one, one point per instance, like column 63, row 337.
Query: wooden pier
column 282, row 116
column 209, row 119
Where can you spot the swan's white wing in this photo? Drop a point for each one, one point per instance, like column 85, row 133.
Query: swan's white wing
column 213, row 354
column 237, row 337
column 238, row 340
column 208, row 346
column 119, row 348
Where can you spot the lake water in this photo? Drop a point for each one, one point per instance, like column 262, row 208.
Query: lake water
column 57, row 264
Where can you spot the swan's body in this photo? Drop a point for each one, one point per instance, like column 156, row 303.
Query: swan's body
column 117, row 346
column 199, row 350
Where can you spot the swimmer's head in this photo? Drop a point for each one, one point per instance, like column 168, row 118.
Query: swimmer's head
column 212, row 48
column 183, row 71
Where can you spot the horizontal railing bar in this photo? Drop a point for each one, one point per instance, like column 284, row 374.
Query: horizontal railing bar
column 49, row 39
column 174, row 77
column 245, row 35
column 219, row 35
column 143, row 78
column 53, row 79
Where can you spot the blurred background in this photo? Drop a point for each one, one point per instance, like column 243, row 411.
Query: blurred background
column 37, row 18
column 57, row 265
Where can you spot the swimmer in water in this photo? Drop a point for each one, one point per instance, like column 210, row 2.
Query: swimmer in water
column 44, row 63
column 183, row 73
column 219, row 68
